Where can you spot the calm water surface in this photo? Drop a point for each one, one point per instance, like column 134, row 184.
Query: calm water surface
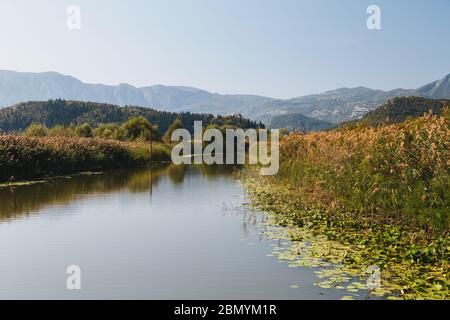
column 164, row 233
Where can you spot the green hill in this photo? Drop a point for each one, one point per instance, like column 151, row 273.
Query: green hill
column 61, row 112
column 399, row 109
column 298, row 121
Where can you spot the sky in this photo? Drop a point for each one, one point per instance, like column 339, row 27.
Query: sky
column 275, row 48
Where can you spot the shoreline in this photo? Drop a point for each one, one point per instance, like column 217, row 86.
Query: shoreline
column 380, row 192
column 24, row 159
column 356, row 243
column 45, row 179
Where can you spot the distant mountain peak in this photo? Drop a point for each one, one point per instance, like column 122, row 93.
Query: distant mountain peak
column 436, row 89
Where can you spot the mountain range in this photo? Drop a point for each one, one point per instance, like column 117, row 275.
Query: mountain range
column 346, row 104
column 335, row 106
column 16, row 87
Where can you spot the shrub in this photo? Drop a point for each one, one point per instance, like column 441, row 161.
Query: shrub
column 177, row 124
column 84, row 130
column 36, row 130
column 110, row 131
column 61, row 131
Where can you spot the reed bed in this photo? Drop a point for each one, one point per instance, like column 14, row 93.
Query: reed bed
column 23, row 157
column 396, row 173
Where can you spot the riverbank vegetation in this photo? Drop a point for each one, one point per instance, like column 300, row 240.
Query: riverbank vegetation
column 44, row 138
column 24, row 157
column 382, row 192
column 135, row 129
column 39, row 151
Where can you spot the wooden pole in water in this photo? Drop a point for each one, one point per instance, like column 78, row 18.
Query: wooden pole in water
column 151, row 183
column 151, row 144
column 151, row 159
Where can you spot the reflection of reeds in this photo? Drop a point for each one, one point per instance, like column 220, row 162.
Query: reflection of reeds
column 395, row 173
column 17, row 202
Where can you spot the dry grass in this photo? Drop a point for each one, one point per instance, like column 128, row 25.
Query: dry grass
column 396, row 173
column 23, row 157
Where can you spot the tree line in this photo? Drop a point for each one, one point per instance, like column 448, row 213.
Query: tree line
column 134, row 129
column 105, row 117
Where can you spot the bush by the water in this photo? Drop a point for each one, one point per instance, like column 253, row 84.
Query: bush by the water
column 23, row 157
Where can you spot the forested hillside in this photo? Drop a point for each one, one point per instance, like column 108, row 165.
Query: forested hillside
column 61, row 112
column 398, row 110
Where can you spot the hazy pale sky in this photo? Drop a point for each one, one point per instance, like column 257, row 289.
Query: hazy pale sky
column 277, row 48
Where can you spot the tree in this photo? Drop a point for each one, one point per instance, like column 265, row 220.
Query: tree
column 140, row 128
column 84, row 130
column 110, row 131
column 177, row 124
column 61, row 131
column 36, row 130
column 284, row 131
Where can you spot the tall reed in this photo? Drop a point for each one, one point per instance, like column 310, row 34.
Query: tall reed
column 23, row 157
column 396, row 173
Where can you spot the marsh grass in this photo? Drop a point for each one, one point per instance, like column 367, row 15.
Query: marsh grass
column 23, row 157
column 383, row 193
column 396, row 174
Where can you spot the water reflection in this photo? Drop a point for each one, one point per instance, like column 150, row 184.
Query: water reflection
column 170, row 232
column 21, row 201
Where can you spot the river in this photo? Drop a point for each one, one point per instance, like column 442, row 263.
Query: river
column 164, row 233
